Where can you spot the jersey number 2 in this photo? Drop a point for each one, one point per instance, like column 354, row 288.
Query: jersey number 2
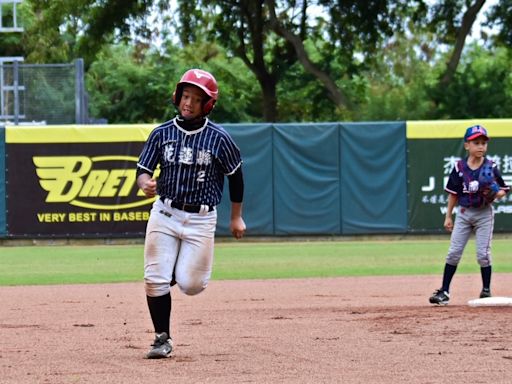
column 201, row 176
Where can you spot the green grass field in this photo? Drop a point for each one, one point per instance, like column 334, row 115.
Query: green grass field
column 36, row 265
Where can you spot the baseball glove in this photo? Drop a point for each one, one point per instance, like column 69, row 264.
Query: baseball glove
column 489, row 193
column 488, row 185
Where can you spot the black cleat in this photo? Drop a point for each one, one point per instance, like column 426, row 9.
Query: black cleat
column 486, row 292
column 161, row 347
column 440, row 297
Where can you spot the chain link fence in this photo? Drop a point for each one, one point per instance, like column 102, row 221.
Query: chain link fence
column 43, row 93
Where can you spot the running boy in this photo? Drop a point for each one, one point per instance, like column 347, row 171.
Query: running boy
column 474, row 183
column 194, row 155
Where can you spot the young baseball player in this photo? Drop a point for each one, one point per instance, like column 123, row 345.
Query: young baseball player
column 474, row 183
column 194, row 156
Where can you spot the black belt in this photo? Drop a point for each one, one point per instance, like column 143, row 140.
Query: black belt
column 185, row 207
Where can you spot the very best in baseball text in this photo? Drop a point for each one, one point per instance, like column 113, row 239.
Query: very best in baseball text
column 87, row 217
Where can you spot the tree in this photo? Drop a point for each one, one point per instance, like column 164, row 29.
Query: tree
column 482, row 88
column 61, row 30
column 337, row 95
column 308, row 60
column 396, row 87
column 241, row 26
column 500, row 17
column 127, row 88
column 453, row 24
column 346, row 36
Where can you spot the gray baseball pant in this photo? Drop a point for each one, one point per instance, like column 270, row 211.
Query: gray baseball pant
column 467, row 220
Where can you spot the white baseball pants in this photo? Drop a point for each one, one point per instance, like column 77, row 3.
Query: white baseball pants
column 178, row 245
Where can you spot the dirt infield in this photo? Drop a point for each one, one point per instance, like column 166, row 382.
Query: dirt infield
column 336, row 330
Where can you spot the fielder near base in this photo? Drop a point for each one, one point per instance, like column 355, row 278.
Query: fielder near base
column 474, row 183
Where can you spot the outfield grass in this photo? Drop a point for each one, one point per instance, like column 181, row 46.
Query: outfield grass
column 36, row 265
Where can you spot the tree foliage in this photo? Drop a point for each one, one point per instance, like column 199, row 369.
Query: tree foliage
column 500, row 17
column 61, row 30
column 397, row 86
column 126, row 87
column 481, row 88
column 241, row 26
column 280, row 60
column 122, row 90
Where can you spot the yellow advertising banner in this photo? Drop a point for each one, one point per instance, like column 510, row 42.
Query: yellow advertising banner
column 455, row 129
column 75, row 180
column 39, row 134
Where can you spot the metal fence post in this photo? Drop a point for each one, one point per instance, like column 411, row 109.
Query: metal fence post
column 2, row 103
column 16, row 93
column 79, row 92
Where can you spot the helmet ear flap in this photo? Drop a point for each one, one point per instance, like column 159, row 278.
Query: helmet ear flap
column 208, row 106
column 176, row 96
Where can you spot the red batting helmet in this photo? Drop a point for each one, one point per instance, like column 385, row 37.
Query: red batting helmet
column 201, row 79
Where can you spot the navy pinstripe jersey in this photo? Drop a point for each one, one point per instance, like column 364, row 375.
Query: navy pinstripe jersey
column 192, row 163
column 463, row 182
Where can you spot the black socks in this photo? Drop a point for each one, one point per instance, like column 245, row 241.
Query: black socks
column 449, row 271
column 160, row 310
column 486, row 276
